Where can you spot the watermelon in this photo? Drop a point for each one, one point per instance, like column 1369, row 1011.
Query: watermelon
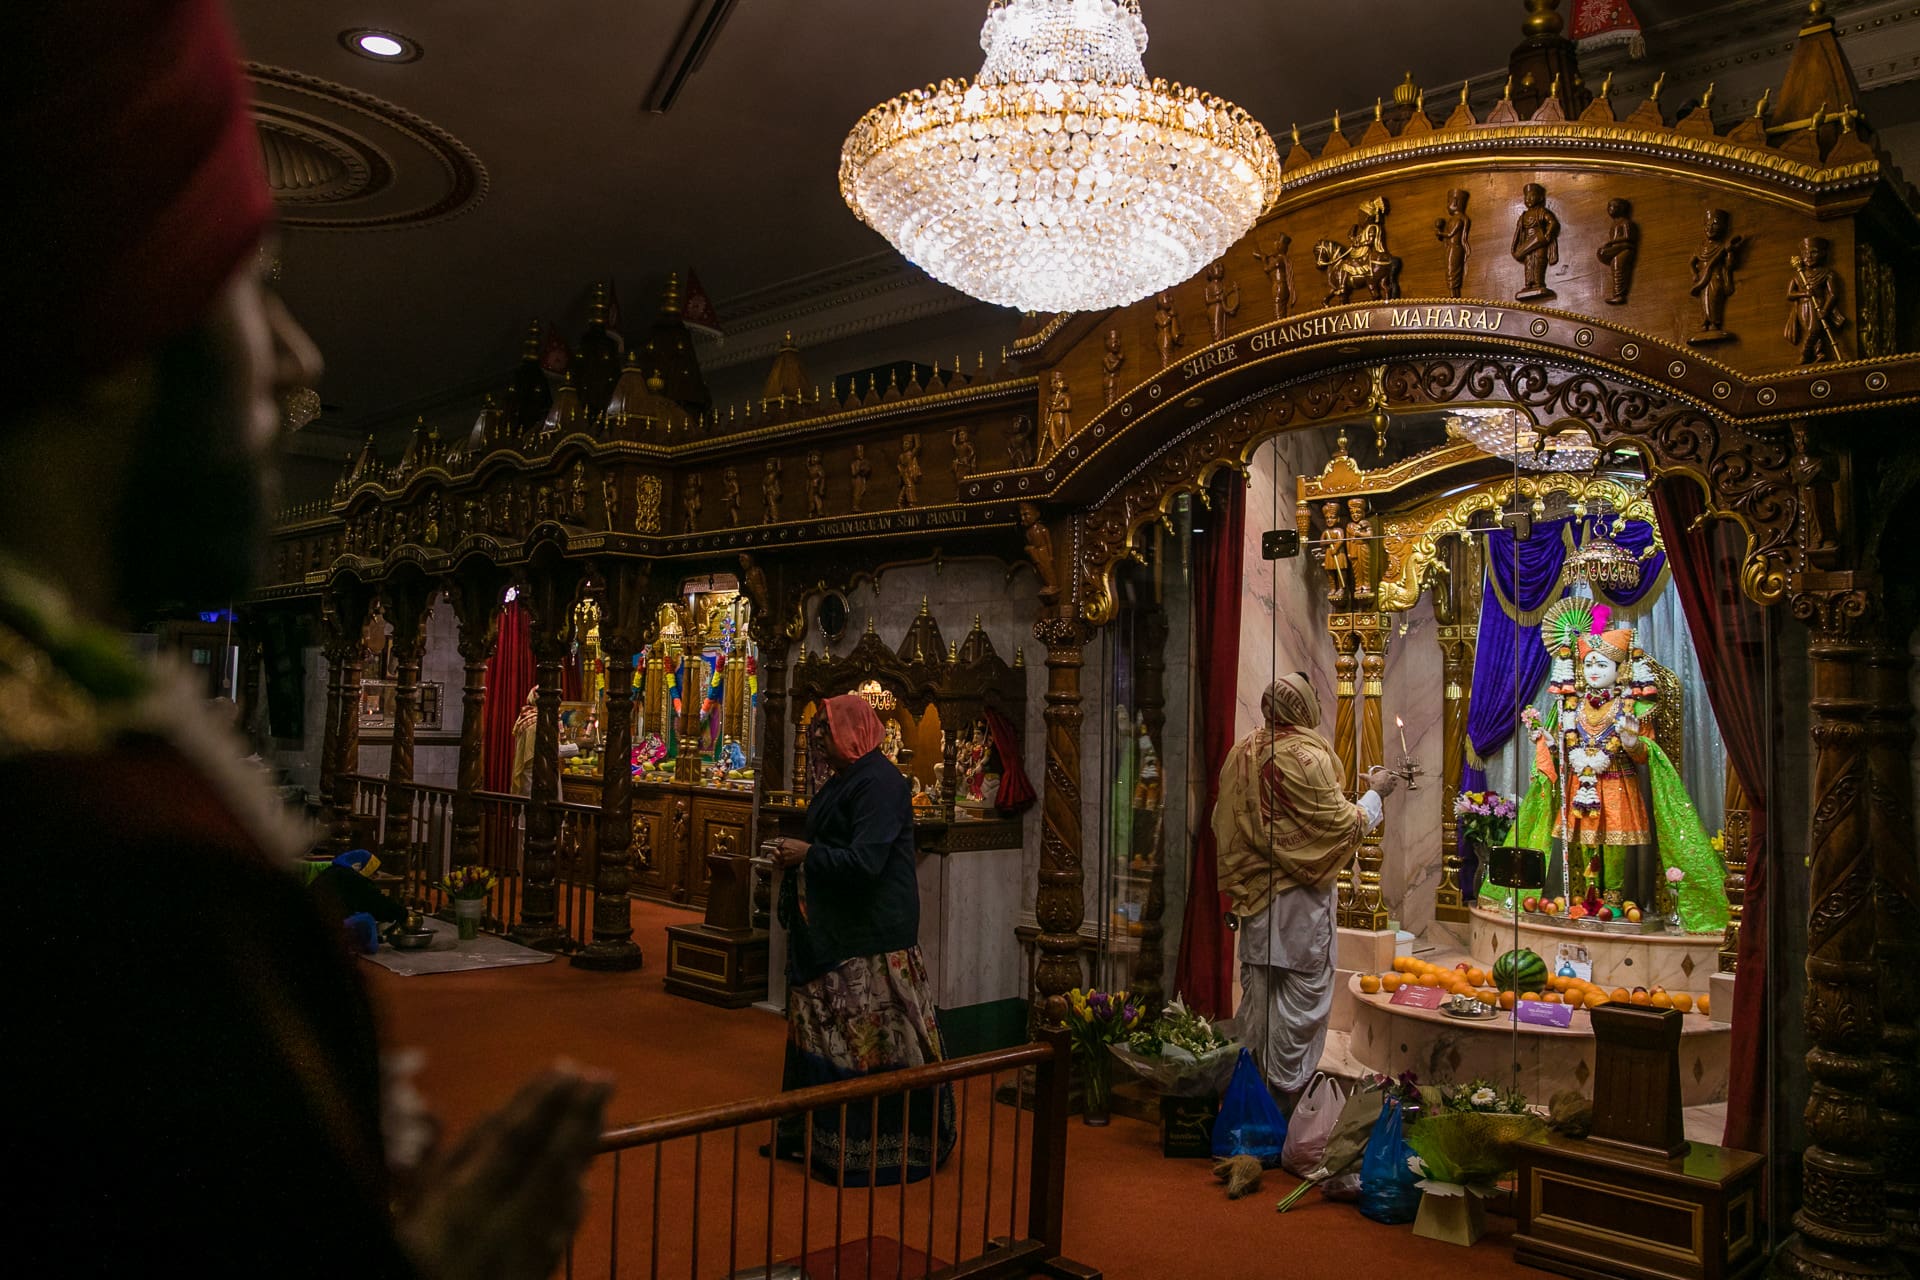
column 1521, row 970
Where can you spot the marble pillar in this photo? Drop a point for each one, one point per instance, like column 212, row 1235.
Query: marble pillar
column 1413, row 689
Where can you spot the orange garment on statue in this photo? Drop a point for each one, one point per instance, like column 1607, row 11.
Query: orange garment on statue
column 1623, row 817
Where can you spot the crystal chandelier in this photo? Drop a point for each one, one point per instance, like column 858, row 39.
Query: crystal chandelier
column 1061, row 179
column 1509, row 434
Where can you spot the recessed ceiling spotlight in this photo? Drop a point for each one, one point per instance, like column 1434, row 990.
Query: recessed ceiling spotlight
column 381, row 46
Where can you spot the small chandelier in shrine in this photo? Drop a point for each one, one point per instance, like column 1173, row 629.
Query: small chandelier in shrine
column 1603, row 563
column 1061, row 178
column 877, row 697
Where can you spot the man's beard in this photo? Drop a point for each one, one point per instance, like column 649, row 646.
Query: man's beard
column 187, row 534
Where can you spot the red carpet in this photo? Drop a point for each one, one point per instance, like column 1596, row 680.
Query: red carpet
column 1129, row 1212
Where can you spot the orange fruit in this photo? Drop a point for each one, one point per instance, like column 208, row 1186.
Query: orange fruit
column 1620, row 993
column 1429, row 980
column 1577, row 997
column 1391, row 982
column 1660, row 1000
column 1530, row 995
column 1595, row 1001
column 1488, row 994
column 1400, row 963
column 1506, row 999
column 1478, row 977
column 1369, row 984
column 1701, row 1003
column 1553, row 997
column 1640, row 997
column 1683, row 1002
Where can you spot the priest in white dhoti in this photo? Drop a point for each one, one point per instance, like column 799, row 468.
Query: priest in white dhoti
column 1284, row 828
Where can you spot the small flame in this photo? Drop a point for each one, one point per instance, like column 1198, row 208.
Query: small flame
column 1399, row 722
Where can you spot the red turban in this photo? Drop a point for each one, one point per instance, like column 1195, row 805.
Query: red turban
column 137, row 178
column 852, row 726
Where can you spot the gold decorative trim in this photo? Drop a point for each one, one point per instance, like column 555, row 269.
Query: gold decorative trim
column 1343, row 477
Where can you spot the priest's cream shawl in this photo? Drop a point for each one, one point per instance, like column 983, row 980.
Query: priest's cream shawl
column 1282, row 821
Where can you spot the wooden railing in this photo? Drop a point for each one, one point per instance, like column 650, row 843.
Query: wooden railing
column 502, row 850
column 992, row 1204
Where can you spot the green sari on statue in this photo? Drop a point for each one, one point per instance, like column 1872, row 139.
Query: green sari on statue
column 1681, row 840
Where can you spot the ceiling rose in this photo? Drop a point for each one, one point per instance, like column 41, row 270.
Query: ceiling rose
column 1510, row 434
column 1061, row 179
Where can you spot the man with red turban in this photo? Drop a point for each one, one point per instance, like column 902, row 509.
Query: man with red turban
column 195, row 1079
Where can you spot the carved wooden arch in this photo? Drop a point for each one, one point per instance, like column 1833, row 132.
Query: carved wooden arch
column 1743, row 465
column 1412, row 541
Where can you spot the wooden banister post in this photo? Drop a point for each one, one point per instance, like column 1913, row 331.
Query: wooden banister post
column 1047, row 1179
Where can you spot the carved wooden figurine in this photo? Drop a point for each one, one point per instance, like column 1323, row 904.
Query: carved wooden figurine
column 1166, row 327
column 1040, row 551
column 730, row 495
column 1059, row 414
column 1452, row 232
column 1020, row 442
column 1363, row 260
column 1621, row 247
column 610, row 498
column 646, row 504
column 861, row 472
column 1359, row 549
column 577, row 494
column 770, row 491
column 690, row 502
column 965, row 459
column 1536, row 243
column 1333, row 553
column 1111, row 362
column 1222, row 299
column 1274, row 261
column 1713, row 265
column 816, row 486
column 1813, row 304
column 908, row 465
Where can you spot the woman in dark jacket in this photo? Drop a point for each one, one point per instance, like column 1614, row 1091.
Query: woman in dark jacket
column 858, row 999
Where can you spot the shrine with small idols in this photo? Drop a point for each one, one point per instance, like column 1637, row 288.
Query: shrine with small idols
column 1577, row 515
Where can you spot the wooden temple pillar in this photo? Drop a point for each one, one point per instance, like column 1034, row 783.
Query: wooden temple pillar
column 1457, row 625
column 1737, row 831
column 409, row 600
column 1346, row 683
column 1150, row 698
column 475, row 593
column 623, row 615
column 347, row 605
column 1060, row 904
column 548, row 597
column 1841, row 1228
column 1372, row 630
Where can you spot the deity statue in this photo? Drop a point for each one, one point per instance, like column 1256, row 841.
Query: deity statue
column 1809, row 471
column 1273, row 260
column 816, row 486
column 1111, row 362
column 1020, row 442
column 1452, row 232
column 1040, row 551
column 1713, row 265
column 1166, row 327
column 1059, row 414
column 690, row 502
column 730, row 495
column 1536, row 242
column 1363, row 260
column 1813, row 304
column 1604, row 795
column 1621, row 247
column 1333, row 553
column 577, row 494
column 971, row 760
column 433, row 520
column 1359, row 549
column 861, row 472
column 965, row 460
column 610, row 499
column 770, row 491
column 1222, row 299
column 891, row 744
column 908, row 466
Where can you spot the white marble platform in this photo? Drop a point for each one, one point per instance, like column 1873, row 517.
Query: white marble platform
column 1438, row 1048
column 1676, row 961
column 969, row 904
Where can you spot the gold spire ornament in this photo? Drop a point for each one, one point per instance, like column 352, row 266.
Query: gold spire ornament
column 1043, row 184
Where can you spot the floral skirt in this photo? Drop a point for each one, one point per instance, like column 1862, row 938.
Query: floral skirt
column 871, row 1014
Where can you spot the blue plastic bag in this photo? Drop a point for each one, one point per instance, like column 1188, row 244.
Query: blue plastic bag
column 1250, row 1123
column 1389, row 1189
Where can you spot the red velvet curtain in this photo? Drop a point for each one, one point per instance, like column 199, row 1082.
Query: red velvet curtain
column 509, row 677
column 1016, row 792
column 1205, row 971
column 1730, row 639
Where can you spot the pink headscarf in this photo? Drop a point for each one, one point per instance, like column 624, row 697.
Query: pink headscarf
column 852, row 726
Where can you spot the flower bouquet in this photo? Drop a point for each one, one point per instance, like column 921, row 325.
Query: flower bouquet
column 1095, row 1021
column 468, row 886
column 1181, row 1054
column 1461, row 1150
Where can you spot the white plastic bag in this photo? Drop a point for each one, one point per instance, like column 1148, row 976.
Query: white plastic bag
column 1312, row 1124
